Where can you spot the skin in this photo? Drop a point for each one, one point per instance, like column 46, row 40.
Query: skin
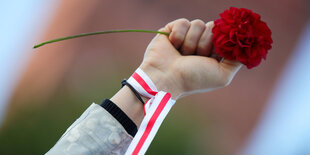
column 182, row 64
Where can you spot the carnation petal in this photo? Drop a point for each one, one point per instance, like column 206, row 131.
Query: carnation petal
column 241, row 35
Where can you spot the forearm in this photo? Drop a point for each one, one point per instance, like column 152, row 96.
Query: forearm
column 95, row 132
column 103, row 129
column 128, row 103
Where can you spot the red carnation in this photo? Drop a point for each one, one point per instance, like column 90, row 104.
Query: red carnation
column 240, row 35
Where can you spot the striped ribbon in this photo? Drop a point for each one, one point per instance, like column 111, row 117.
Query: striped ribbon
column 155, row 110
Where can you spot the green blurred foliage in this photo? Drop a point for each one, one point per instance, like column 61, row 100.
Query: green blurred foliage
column 35, row 129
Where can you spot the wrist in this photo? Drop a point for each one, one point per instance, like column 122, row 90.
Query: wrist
column 126, row 100
column 164, row 80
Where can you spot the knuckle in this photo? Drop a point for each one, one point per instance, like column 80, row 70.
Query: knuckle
column 198, row 22
column 183, row 22
column 210, row 25
column 163, row 29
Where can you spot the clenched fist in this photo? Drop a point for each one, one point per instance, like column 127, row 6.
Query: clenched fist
column 182, row 63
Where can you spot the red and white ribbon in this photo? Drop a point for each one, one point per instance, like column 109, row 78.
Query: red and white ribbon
column 156, row 109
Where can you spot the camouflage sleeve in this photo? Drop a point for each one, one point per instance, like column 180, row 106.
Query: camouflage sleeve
column 95, row 132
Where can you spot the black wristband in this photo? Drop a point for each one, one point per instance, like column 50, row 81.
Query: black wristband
column 124, row 82
column 120, row 116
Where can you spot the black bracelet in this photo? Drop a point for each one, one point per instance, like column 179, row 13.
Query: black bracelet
column 124, row 82
column 120, row 116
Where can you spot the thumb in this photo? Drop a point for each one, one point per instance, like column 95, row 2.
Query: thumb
column 161, row 39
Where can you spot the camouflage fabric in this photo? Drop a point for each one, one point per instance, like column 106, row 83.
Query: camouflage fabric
column 95, row 132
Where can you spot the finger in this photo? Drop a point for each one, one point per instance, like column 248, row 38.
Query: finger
column 178, row 30
column 192, row 37
column 162, row 42
column 205, row 43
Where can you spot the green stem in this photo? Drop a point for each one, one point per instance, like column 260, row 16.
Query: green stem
column 95, row 33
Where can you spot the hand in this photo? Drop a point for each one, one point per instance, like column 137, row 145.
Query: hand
column 179, row 64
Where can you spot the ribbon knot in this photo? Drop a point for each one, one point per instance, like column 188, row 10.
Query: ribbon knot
column 155, row 111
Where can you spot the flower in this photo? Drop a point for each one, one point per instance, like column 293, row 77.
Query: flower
column 241, row 35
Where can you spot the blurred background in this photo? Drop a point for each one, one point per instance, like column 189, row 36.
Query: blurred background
column 265, row 110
